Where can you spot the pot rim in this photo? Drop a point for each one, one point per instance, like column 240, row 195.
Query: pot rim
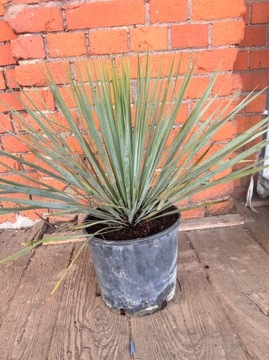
column 131, row 241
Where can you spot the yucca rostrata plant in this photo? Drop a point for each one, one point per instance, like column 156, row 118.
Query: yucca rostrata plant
column 123, row 173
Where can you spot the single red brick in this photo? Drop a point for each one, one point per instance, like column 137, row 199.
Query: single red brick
column 259, row 59
column 59, row 121
column 168, row 11
column 153, row 38
column 214, row 193
column 220, row 208
column 254, row 36
column 5, row 123
column 8, row 218
column 241, row 62
column 12, row 144
column 19, row 122
column 7, row 163
column 189, row 35
column 66, row 44
column 227, row 32
column 196, row 87
column 105, row 14
column 254, row 80
column 30, row 157
column 34, row 74
column 38, row 99
column 33, row 214
column 29, row 214
column 40, row 163
column 10, row 78
column 57, row 184
column 182, row 114
column 244, row 122
column 28, row 47
column 20, row 180
column 8, row 100
column 227, row 84
column 257, row 105
column 17, row 179
column 223, row 173
column 240, row 188
column 171, row 137
column 74, row 144
column 209, row 61
column 6, row 32
column 227, row 132
column 221, row 9
column 68, row 96
column 193, row 214
column 108, row 41
column 2, row 81
column 9, row 175
column 260, row 13
column 6, row 57
column 91, row 65
column 35, row 19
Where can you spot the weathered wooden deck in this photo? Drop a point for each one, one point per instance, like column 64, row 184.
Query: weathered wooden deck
column 220, row 311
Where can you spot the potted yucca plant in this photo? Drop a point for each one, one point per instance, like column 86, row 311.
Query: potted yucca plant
column 113, row 158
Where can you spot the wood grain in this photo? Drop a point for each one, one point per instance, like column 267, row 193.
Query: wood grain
column 85, row 329
column 193, row 325
column 260, row 228
column 238, row 268
column 210, row 331
column 220, row 310
column 11, row 274
column 243, row 210
column 162, row 335
column 26, row 327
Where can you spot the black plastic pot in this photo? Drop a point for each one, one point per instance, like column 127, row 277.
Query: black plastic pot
column 137, row 277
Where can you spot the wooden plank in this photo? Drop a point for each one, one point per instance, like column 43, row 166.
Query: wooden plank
column 237, row 268
column 260, row 228
column 211, row 333
column 244, row 211
column 37, row 231
column 163, row 335
column 11, row 274
column 260, row 202
column 27, row 325
column 192, row 326
column 85, row 328
column 211, row 222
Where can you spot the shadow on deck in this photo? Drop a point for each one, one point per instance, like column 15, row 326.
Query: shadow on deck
column 220, row 310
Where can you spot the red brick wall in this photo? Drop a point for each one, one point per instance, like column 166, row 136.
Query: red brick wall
column 252, row 64
column 64, row 33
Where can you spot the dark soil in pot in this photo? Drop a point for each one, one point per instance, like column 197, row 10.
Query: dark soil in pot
column 141, row 230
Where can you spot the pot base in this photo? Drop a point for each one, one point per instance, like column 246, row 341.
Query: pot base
column 144, row 310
